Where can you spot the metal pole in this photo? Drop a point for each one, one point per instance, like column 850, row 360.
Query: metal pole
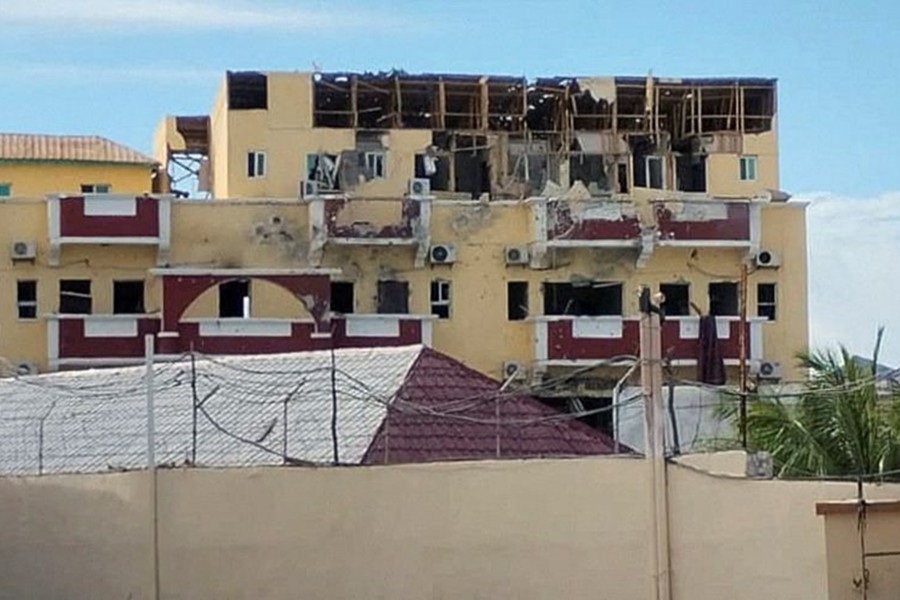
column 651, row 383
column 151, row 462
column 742, row 366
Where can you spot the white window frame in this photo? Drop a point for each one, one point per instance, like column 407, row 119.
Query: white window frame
column 773, row 303
column 662, row 170
column 20, row 304
column 744, row 161
column 92, row 188
column 260, row 164
column 376, row 158
column 444, row 294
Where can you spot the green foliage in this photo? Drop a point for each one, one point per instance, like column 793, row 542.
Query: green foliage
column 837, row 426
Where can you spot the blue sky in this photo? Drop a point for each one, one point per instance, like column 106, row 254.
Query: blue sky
column 114, row 67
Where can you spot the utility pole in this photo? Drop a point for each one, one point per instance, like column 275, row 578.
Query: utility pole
column 654, row 427
column 742, row 367
column 151, row 461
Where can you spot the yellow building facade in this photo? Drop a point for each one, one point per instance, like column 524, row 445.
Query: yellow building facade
column 506, row 222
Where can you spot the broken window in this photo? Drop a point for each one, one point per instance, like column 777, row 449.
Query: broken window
column 256, row 164
column 747, row 168
column 435, row 168
column 234, row 299
column 322, row 168
column 440, row 298
column 95, row 188
column 247, row 90
column 623, row 178
column 75, row 296
column 342, row 297
column 690, row 173
column 393, row 297
column 589, row 169
column 759, row 107
column 597, row 298
column 723, row 298
column 516, row 300
column 471, row 167
column 765, row 300
column 647, row 168
column 655, row 175
column 26, row 298
column 128, row 297
column 678, row 299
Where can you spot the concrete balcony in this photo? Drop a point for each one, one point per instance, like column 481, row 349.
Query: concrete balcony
column 585, row 223
column 574, row 340
column 109, row 340
column 108, row 219
column 341, row 220
column 83, row 340
column 707, row 222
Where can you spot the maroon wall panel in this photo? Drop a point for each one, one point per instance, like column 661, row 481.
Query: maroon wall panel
column 74, row 223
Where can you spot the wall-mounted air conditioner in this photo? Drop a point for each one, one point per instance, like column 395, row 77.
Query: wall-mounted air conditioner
column 419, row 187
column 766, row 369
column 767, row 259
column 26, row 368
column 442, row 254
column 22, row 250
column 513, row 370
column 516, row 255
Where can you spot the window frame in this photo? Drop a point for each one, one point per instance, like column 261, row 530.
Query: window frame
column 255, row 160
column 743, row 161
column 383, row 296
column 773, row 303
column 373, row 158
column 444, row 296
column 662, row 171
column 143, row 284
column 20, row 303
column 95, row 188
column 246, row 299
column 667, row 304
column 737, row 298
column 78, row 295
column 331, row 296
column 517, row 312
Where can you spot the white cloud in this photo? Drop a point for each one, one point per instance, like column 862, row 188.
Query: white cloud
column 854, row 272
column 187, row 15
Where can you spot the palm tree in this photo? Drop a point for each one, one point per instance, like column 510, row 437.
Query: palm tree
column 838, row 425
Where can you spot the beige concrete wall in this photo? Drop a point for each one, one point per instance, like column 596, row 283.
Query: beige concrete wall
column 76, row 537
column 843, row 550
column 275, row 234
column 40, row 178
column 514, row 529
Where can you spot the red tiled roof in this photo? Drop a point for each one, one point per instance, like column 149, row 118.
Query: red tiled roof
column 446, row 411
column 75, row 148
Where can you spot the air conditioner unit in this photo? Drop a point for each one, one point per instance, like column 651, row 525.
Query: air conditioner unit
column 516, row 255
column 766, row 369
column 513, row 370
column 442, row 254
column 21, row 250
column 26, row 368
column 309, row 189
column 419, row 187
column 767, row 259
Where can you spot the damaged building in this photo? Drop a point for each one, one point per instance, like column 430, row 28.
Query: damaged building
column 503, row 220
